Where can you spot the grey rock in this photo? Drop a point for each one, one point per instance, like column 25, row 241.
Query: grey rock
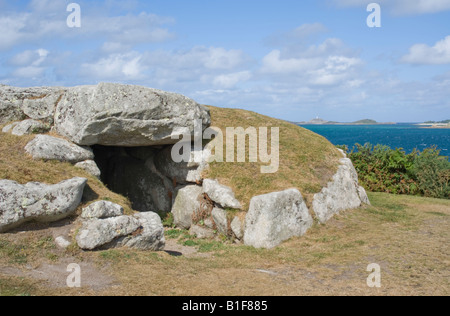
column 183, row 172
column 186, row 203
column 36, row 103
column 62, row 242
column 221, row 194
column 101, row 210
column 209, row 223
column 150, row 234
column 99, row 232
column 220, row 218
column 90, row 166
column 37, row 201
column 342, row 193
column 52, row 148
column 28, row 127
column 142, row 231
column 201, row 232
column 237, row 228
column 363, row 195
column 8, row 128
column 276, row 217
column 123, row 115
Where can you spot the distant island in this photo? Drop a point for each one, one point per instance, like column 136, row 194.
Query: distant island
column 434, row 124
column 319, row 121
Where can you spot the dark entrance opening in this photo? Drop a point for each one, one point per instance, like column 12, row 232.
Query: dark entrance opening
column 131, row 172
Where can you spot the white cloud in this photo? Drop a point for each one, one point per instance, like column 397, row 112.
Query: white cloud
column 228, row 81
column 329, row 63
column 273, row 63
column 46, row 19
column 115, row 67
column 29, row 63
column 12, row 30
column 422, row 54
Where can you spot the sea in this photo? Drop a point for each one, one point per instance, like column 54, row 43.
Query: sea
column 405, row 136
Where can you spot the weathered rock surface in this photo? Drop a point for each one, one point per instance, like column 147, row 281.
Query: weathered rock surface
column 99, row 232
column 36, row 103
column 37, row 201
column 102, row 210
column 342, row 193
column 220, row 218
column 183, row 172
column 363, row 196
column 149, row 236
column 186, row 203
column 142, row 231
column 90, row 166
column 52, row 148
column 123, row 115
column 237, row 228
column 276, row 217
column 221, row 194
column 26, row 127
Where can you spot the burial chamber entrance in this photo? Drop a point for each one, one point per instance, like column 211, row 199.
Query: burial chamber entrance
column 138, row 173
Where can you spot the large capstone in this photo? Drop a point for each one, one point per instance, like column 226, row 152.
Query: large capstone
column 124, row 115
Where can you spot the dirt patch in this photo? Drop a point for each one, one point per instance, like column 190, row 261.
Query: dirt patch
column 55, row 275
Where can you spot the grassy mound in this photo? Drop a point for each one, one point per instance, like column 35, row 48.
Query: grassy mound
column 307, row 161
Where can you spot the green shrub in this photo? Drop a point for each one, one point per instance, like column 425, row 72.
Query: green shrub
column 382, row 169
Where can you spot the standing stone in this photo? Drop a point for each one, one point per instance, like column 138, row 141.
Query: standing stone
column 123, row 115
column 342, row 193
column 37, row 201
column 237, row 228
column 276, row 217
column 220, row 218
column 186, row 203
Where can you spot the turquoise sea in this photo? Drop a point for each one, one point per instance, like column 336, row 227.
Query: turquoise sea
column 406, row 136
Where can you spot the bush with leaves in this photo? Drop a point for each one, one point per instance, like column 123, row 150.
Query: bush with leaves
column 382, row 169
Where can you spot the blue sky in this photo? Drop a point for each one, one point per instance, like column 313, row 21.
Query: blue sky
column 289, row 59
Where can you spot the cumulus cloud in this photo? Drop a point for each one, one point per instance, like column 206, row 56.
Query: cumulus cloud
column 29, row 63
column 115, row 67
column 422, row 54
column 228, row 81
column 328, row 63
column 46, row 19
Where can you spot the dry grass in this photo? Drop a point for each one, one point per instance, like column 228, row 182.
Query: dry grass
column 407, row 236
column 17, row 165
column 307, row 160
